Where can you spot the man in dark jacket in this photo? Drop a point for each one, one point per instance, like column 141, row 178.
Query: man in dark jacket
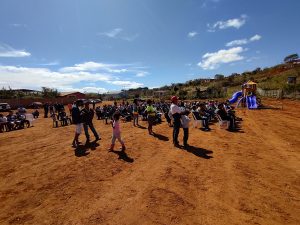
column 77, row 121
column 46, row 109
column 87, row 118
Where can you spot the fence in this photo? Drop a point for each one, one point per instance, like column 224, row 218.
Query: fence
column 278, row 94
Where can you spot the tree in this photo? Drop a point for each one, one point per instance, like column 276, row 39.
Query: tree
column 49, row 92
column 291, row 58
column 182, row 94
column 219, row 76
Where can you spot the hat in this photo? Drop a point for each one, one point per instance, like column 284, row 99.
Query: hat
column 79, row 102
column 174, row 99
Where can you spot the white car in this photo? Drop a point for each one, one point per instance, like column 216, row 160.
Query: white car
column 4, row 107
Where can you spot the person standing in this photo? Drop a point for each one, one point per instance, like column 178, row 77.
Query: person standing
column 150, row 116
column 94, row 104
column 46, row 109
column 185, row 120
column 77, row 121
column 116, row 132
column 70, row 106
column 135, row 112
column 87, row 117
column 176, row 114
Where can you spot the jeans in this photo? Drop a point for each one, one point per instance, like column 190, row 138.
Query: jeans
column 86, row 127
column 205, row 122
column 176, row 128
column 185, row 135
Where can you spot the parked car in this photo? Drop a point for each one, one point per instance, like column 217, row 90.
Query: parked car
column 98, row 100
column 35, row 105
column 94, row 100
column 4, row 107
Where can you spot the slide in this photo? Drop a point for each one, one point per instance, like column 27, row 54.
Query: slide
column 235, row 97
column 251, row 102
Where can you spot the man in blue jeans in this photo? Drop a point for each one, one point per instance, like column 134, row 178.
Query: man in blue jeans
column 176, row 114
column 87, row 116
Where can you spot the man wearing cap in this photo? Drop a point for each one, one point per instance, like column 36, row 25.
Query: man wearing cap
column 176, row 114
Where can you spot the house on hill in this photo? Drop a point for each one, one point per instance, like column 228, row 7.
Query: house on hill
column 73, row 95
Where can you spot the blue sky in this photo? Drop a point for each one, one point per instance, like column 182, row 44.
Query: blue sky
column 106, row 45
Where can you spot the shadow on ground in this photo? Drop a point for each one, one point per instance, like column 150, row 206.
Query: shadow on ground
column 161, row 137
column 82, row 150
column 200, row 152
column 123, row 156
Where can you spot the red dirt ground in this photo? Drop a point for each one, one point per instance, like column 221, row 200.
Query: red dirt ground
column 248, row 177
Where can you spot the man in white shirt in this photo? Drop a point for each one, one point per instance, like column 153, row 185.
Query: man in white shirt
column 176, row 114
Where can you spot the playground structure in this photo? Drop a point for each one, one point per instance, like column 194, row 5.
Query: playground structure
column 248, row 96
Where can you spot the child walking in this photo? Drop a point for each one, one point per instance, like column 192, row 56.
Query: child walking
column 185, row 120
column 116, row 132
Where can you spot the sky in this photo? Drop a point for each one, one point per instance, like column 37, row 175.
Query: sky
column 108, row 45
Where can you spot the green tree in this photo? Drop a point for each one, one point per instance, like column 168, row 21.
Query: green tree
column 49, row 92
column 291, row 57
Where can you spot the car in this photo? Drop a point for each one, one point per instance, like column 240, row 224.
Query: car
column 91, row 101
column 98, row 100
column 35, row 105
column 4, row 107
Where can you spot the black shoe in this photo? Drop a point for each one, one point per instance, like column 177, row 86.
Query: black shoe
column 176, row 144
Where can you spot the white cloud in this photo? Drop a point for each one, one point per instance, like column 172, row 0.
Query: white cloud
column 192, row 34
column 18, row 77
column 112, row 33
column 127, row 84
column 237, row 42
column 118, row 33
column 63, row 80
column 213, row 60
column 17, row 25
column 255, row 38
column 7, row 51
column 244, row 41
column 53, row 63
column 206, row 2
column 95, row 66
column 231, row 23
column 94, row 90
column 142, row 74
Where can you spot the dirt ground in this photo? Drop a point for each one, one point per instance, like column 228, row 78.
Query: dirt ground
column 246, row 177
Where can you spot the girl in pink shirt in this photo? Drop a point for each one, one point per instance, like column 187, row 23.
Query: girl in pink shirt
column 116, row 132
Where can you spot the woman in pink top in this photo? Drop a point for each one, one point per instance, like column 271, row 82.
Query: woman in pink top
column 116, row 132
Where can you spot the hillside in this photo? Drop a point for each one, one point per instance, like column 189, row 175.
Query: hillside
column 272, row 78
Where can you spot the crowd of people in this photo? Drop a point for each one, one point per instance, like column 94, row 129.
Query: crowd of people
column 176, row 114
column 14, row 121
